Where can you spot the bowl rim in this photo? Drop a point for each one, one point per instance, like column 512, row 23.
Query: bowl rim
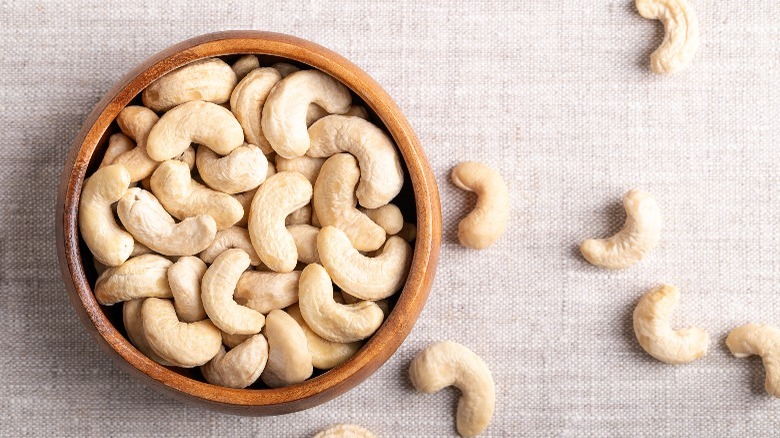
column 377, row 349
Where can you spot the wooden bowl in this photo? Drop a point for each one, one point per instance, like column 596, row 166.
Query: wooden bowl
column 419, row 200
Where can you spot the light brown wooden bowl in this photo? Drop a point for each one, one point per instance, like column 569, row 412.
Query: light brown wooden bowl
column 419, row 200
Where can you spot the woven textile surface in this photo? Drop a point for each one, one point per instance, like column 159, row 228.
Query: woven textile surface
column 559, row 97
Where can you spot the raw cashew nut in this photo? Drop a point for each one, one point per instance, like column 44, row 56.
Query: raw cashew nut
column 146, row 219
column 324, row 354
column 204, row 123
column 131, row 317
column 242, row 170
column 368, row 278
column 334, row 200
column 389, row 217
column 299, row 216
column 762, row 340
column 217, row 288
column 140, row 277
column 183, row 344
column 656, row 336
column 333, row 321
column 381, row 176
column 117, row 145
column 681, row 39
column 244, row 65
column 209, row 79
column 487, row 222
column 345, row 431
column 284, row 113
column 184, row 278
column 109, row 243
column 247, row 103
column 289, row 360
column 305, row 237
column 305, row 165
column 267, row 291
column 233, row 237
column 183, row 197
column 136, row 122
column 239, row 367
column 639, row 235
column 279, row 196
column 450, row 364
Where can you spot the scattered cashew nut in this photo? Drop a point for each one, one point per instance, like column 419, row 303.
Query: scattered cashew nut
column 762, row 340
column 289, row 360
column 681, row 39
column 184, row 279
column 244, row 169
column 267, row 291
column 139, row 277
column 324, row 354
column 183, row 344
column 239, row 367
column 233, row 237
column 247, row 103
column 487, row 222
column 208, row 79
column 217, row 288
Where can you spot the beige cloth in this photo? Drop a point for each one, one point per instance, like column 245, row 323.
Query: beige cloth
column 559, row 97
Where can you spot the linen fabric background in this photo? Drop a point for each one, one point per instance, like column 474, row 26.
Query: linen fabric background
column 557, row 96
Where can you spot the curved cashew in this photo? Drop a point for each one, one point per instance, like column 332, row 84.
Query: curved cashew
column 334, row 200
column 389, row 217
column 305, row 165
column 639, row 235
column 289, row 360
column 131, row 317
column 204, row 123
column 345, row 431
column 381, row 176
column 184, row 278
column 284, row 113
column 233, row 341
column 136, row 122
column 244, row 65
column 408, row 232
column 247, row 103
column 487, row 222
column 279, row 196
column 267, row 291
column 324, row 354
column 242, row 170
column 450, row 364
column 305, row 237
column 233, row 237
column 146, row 219
column 299, row 216
column 209, row 79
column 682, row 33
column 184, row 344
column 140, row 277
column 109, row 244
column 239, row 367
column 762, row 340
column 333, row 321
column 656, row 336
column 117, row 145
column 217, row 288
column 184, row 197
column 368, row 278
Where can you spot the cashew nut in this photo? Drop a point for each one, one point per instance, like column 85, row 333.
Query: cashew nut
column 244, row 65
column 242, row 170
column 389, row 217
column 345, row 431
column 279, row 196
column 334, row 200
column 209, row 80
column 333, row 321
column 656, row 336
column 184, row 278
column 108, row 243
column 136, row 122
column 639, row 235
column 247, row 103
column 183, row 197
column 284, row 113
column 299, row 216
column 233, row 237
column 131, row 317
column 233, row 341
column 267, row 291
column 681, row 39
column 183, row 344
column 305, row 237
column 305, row 165
column 239, row 367
column 368, row 278
column 117, row 145
column 450, row 364
column 762, row 340
column 217, row 288
column 146, row 219
column 324, row 354
column 381, row 176
column 289, row 360
column 487, row 222
column 198, row 122
column 140, row 277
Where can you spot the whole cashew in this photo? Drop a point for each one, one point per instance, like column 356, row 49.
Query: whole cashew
column 146, row 219
column 183, row 344
column 267, row 291
column 450, row 364
column 183, row 197
column 131, row 317
column 239, row 367
column 656, row 336
column 334, row 200
column 233, row 237
column 247, row 103
column 209, row 79
column 639, row 235
column 305, row 237
column 408, row 232
column 487, row 222
column 681, row 39
column 233, row 341
column 109, row 243
column 117, row 145
column 184, row 278
column 289, row 360
column 389, row 217
column 299, row 216
column 363, row 277
column 198, row 122
column 136, row 122
column 242, row 170
column 305, row 165
column 140, row 277
column 381, row 176
column 345, row 431
column 324, row 354
column 279, row 196
column 762, row 340
column 284, row 113
column 244, row 65
column 217, row 288
column 333, row 321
